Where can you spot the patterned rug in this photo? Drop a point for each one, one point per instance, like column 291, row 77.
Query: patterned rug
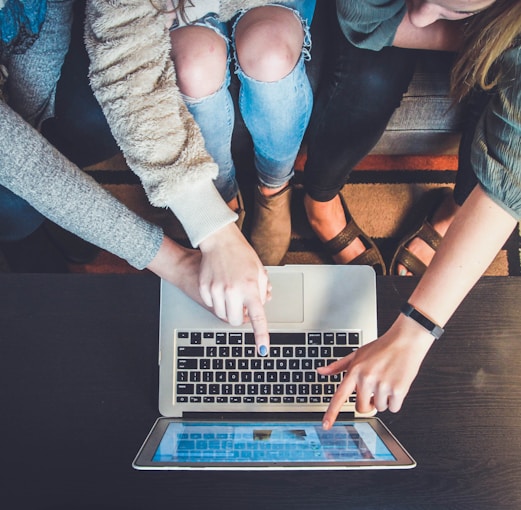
column 382, row 194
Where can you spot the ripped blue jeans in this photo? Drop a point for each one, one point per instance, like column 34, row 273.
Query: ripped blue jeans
column 275, row 113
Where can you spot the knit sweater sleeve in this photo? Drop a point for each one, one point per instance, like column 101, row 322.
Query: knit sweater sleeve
column 496, row 148
column 133, row 78
column 370, row 24
column 34, row 170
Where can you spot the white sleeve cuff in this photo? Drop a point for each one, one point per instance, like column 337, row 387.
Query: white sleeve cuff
column 201, row 210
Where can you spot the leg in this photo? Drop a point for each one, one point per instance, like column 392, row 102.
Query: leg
column 465, row 182
column 271, row 43
column 200, row 55
column 79, row 129
column 23, row 242
column 351, row 113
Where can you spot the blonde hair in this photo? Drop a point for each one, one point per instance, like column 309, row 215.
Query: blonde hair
column 486, row 37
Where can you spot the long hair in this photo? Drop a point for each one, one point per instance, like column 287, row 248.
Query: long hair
column 177, row 6
column 486, row 37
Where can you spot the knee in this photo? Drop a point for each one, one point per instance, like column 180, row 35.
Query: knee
column 200, row 58
column 268, row 48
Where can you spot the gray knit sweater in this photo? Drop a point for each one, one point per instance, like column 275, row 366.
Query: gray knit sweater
column 35, row 171
column 134, row 80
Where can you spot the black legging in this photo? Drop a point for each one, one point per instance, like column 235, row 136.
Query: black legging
column 362, row 89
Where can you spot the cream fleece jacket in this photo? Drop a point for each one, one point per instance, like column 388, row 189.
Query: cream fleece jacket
column 134, row 80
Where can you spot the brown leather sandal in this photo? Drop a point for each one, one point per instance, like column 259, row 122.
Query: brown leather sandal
column 424, row 231
column 370, row 257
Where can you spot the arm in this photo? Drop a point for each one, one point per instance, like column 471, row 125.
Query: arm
column 133, row 78
column 383, row 371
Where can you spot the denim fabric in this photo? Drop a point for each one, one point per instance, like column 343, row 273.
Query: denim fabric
column 79, row 130
column 276, row 114
column 352, row 110
column 17, row 218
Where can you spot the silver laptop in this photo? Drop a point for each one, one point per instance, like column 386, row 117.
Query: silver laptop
column 225, row 407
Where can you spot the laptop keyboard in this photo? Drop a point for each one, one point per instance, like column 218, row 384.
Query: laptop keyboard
column 224, row 368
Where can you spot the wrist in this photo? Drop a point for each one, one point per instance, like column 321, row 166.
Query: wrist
column 422, row 319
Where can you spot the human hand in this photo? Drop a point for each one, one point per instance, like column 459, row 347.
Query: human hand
column 381, row 372
column 234, row 283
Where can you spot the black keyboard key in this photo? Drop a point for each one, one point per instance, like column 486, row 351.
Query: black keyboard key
column 189, row 351
column 195, row 376
column 284, row 376
column 282, row 364
column 220, row 338
column 340, row 352
column 187, row 364
column 195, row 338
column 313, row 352
column 235, row 339
column 287, row 339
column 341, row 338
column 185, row 389
column 268, row 364
column 294, row 364
column 274, row 351
column 271, row 377
column 325, row 352
column 329, row 339
column 354, row 338
column 310, row 377
column 314, row 338
column 233, row 377
column 297, row 377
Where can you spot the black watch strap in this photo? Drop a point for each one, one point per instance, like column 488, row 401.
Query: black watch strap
column 409, row 311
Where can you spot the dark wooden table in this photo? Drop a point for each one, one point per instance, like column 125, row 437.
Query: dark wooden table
column 78, row 394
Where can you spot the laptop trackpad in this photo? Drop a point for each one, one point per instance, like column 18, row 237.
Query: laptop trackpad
column 287, row 300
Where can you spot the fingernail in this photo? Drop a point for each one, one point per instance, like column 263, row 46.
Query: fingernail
column 263, row 350
column 325, row 424
column 403, row 272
